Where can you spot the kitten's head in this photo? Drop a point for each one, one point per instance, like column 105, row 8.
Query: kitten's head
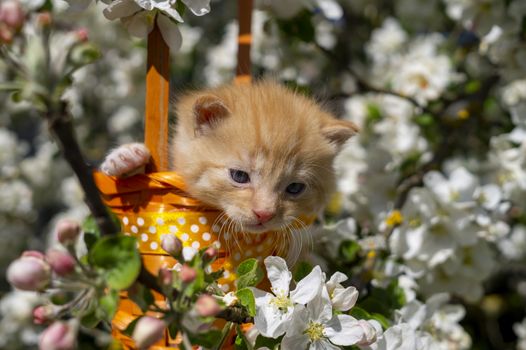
column 260, row 153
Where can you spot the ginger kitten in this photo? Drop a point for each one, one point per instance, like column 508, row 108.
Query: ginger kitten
column 261, row 153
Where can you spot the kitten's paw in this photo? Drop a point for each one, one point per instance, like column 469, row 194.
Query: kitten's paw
column 126, row 160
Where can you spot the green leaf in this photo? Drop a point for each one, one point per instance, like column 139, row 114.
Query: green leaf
column 83, row 54
column 349, row 251
column 240, row 343
column 270, row 343
column 381, row 319
column 108, row 305
column 173, row 329
column 119, row 260
column 90, row 239
column 90, row 320
column 207, row 340
column 359, row 313
column 90, row 225
column 425, row 119
column 302, row 269
column 374, row 114
column 246, row 298
column 131, row 326
column 249, row 274
column 142, row 296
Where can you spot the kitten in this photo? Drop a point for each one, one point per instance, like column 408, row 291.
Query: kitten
column 261, row 153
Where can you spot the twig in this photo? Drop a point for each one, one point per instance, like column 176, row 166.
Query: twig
column 62, row 128
column 224, row 334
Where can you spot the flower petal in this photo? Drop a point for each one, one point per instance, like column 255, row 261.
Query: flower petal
column 278, row 275
column 344, row 330
column 308, row 287
column 343, row 299
column 121, row 8
column 198, row 7
column 320, row 308
column 170, row 32
column 323, row 344
column 137, row 24
column 297, row 342
column 270, row 320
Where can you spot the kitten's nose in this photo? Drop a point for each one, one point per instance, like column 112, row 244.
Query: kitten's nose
column 263, row 215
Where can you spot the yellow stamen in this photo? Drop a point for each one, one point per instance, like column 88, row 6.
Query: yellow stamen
column 282, row 302
column 395, row 218
column 463, row 114
column 314, row 331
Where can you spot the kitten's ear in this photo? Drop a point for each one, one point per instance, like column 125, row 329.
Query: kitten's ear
column 339, row 131
column 208, row 112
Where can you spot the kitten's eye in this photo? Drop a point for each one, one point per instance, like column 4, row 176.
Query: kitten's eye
column 295, row 188
column 239, row 176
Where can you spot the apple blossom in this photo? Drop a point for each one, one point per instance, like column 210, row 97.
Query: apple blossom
column 59, row 336
column 62, row 263
column 171, row 244
column 29, row 272
column 148, row 330
column 67, row 231
column 274, row 310
column 207, row 306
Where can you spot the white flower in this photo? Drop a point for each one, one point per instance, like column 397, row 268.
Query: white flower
column 342, row 298
column 386, row 40
column 274, row 310
column 314, row 327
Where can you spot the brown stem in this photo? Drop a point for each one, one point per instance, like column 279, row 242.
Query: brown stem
column 62, row 128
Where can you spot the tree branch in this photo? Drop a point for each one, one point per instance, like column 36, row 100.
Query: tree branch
column 61, row 127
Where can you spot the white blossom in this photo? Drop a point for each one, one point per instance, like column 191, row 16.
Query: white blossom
column 315, row 327
column 274, row 310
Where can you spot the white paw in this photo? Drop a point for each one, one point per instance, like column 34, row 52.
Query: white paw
column 126, row 160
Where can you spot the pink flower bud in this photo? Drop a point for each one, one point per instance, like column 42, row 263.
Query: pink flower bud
column 67, row 231
column 59, row 336
column 35, row 254
column 29, row 272
column 207, row 306
column 42, row 314
column 11, row 14
column 44, row 19
column 187, row 274
column 148, row 330
column 82, row 34
column 6, row 34
column 171, row 244
column 209, row 254
column 62, row 263
column 166, row 276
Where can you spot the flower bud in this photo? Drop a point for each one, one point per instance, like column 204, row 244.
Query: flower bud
column 42, row 314
column 172, row 245
column 11, row 14
column 166, row 277
column 62, row 263
column 82, row 34
column 209, row 254
column 59, row 336
column 148, row 330
column 187, row 274
column 44, row 19
column 29, row 272
column 207, row 306
column 67, row 231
